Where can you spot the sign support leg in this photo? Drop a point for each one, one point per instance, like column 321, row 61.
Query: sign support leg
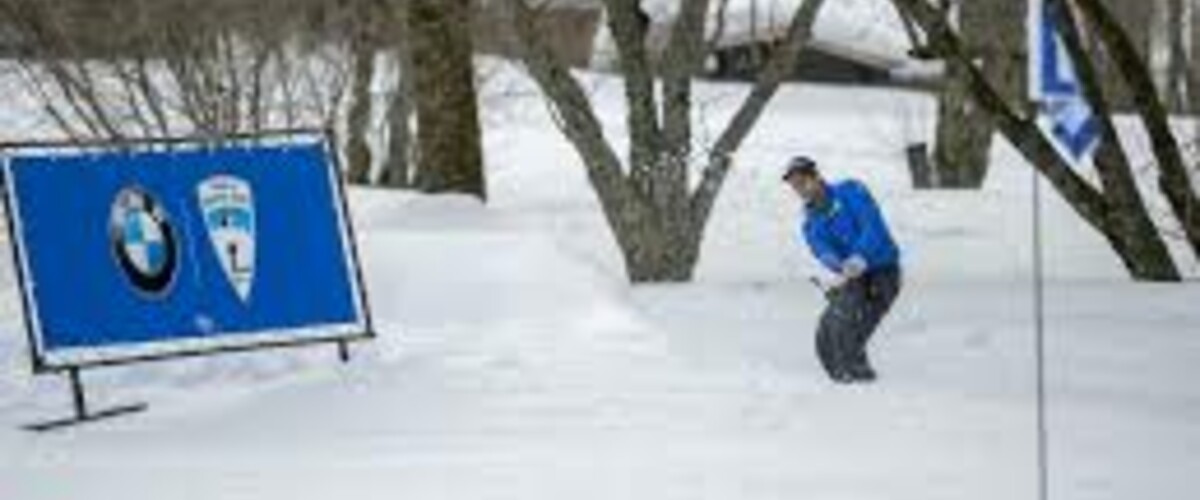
column 344, row 351
column 82, row 415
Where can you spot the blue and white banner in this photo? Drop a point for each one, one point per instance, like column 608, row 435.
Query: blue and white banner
column 129, row 254
column 1064, row 114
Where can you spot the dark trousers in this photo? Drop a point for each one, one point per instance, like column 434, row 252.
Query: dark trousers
column 851, row 317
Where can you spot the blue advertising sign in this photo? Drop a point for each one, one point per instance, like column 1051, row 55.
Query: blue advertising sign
column 130, row 254
column 1064, row 112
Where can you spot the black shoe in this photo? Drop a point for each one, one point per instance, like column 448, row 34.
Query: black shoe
column 842, row 377
column 862, row 374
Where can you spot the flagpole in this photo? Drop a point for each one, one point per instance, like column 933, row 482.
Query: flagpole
column 1046, row 82
column 1039, row 290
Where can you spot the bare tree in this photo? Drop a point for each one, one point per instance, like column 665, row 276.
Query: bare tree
column 993, row 34
column 655, row 213
column 1175, row 182
column 1116, row 212
column 153, row 68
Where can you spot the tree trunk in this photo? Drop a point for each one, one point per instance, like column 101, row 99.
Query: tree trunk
column 657, row 220
column 630, row 26
column 1140, row 245
column 401, row 144
column 1123, row 223
column 1193, row 67
column 1175, row 183
column 964, row 136
column 1137, row 19
column 657, row 249
column 993, row 32
column 358, row 153
column 397, row 168
column 451, row 159
column 1176, row 84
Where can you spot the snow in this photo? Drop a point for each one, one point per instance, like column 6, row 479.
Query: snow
column 869, row 29
column 515, row 362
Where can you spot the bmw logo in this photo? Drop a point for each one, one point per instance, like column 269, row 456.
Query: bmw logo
column 143, row 241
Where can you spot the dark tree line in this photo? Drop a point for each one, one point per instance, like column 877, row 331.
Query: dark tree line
column 123, row 69
column 127, row 69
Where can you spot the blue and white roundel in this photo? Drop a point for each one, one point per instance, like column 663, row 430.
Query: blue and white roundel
column 143, row 241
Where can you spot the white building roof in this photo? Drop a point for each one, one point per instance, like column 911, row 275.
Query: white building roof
column 868, row 31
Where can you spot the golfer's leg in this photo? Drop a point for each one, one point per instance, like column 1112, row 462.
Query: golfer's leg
column 883, row 288
column 826, row 341
column 847, row 306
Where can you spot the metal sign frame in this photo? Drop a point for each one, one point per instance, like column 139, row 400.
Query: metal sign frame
column 40, row 365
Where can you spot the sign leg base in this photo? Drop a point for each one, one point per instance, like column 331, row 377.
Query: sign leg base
column 52, row 425
column 82, row 415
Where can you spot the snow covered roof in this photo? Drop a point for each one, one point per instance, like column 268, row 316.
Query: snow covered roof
column 869, row 31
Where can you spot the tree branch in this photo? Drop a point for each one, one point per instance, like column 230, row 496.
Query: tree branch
column 571, row 105
column 779, row 67
column 683, row 58
column 1112, row 164
column 629, row 26
column 1021, row 131
column 1175, row 184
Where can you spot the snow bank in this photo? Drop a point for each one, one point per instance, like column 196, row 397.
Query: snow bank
column 514, row 362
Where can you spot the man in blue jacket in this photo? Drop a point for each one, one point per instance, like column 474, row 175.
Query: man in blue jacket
column 847, row 233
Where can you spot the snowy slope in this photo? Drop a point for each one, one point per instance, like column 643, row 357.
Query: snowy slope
column 515, row 363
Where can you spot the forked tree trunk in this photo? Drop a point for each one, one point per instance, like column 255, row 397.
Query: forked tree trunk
column 1116, row 213
column 655, row 213
column 1175, row 181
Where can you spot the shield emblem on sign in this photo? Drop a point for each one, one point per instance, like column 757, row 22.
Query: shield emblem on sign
column 227, row 203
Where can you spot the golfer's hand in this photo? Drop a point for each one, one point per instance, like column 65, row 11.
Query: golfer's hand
column 836, row 282
column 854, row 267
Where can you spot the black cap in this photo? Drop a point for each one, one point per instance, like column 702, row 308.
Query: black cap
column 799, row 165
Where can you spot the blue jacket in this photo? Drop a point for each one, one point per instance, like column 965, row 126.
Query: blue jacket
column 850, row 224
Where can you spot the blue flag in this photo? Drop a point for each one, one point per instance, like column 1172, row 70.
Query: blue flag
column 1064, row 114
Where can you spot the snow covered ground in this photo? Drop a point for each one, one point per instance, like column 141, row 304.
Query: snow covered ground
column 514, row 361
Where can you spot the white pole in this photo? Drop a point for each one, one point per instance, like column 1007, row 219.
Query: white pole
column 1034, row 28
column 1039, row 290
